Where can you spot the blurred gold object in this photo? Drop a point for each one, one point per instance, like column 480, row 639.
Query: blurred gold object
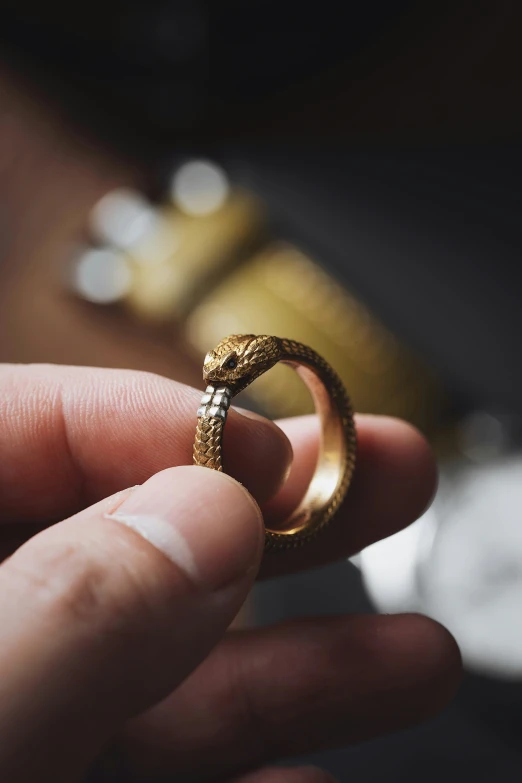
column 282, row 291
column 221, row 272
column 232, row 366
column 177, row 263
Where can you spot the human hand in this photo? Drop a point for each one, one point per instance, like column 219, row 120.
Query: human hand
column 115, row 656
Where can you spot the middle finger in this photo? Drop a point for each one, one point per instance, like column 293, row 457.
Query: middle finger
column 394, row 480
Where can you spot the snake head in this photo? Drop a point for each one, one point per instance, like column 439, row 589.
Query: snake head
column 239, row 359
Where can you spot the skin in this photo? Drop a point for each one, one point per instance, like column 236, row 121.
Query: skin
column 115, row 654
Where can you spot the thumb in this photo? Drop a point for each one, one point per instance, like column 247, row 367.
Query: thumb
column 104, row 614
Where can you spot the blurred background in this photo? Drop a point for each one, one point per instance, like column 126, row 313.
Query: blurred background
column 172, row 172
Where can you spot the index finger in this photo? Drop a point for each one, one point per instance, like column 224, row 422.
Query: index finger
column 74, row 435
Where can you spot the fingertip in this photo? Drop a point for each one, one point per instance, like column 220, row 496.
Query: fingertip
column 203, row 520
column 394, row 481
column 395, row 477
column 422, row 653
column 400, row 442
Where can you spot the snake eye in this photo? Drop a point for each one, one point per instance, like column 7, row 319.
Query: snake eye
column 229, row 361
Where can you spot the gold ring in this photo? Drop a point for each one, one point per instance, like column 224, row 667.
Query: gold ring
column 231, row 367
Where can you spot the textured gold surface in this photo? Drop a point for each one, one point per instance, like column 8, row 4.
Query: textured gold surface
column 235, row 363
column 207, row 444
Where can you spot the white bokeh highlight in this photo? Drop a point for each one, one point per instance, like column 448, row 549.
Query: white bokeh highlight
column 122, row 218
column 102, row 276
column 199, row 187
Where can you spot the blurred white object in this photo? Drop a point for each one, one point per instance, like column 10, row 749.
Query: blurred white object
column 199, row 187
column 472, row 582
column 101, row 276
column 390, row 567
column 461, row 563
column 481, row 437
column 122, row 218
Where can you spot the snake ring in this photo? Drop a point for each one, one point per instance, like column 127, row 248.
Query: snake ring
column 231, row 367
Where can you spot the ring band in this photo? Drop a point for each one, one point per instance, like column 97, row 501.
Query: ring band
column 231, row 367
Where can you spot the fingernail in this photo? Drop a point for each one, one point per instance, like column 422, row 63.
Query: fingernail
column 202, row 520
column 117, row 499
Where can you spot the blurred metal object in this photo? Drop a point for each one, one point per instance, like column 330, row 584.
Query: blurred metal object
column 280, row 290
column 185, row 256
column 233, row 365
column 205, row 261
